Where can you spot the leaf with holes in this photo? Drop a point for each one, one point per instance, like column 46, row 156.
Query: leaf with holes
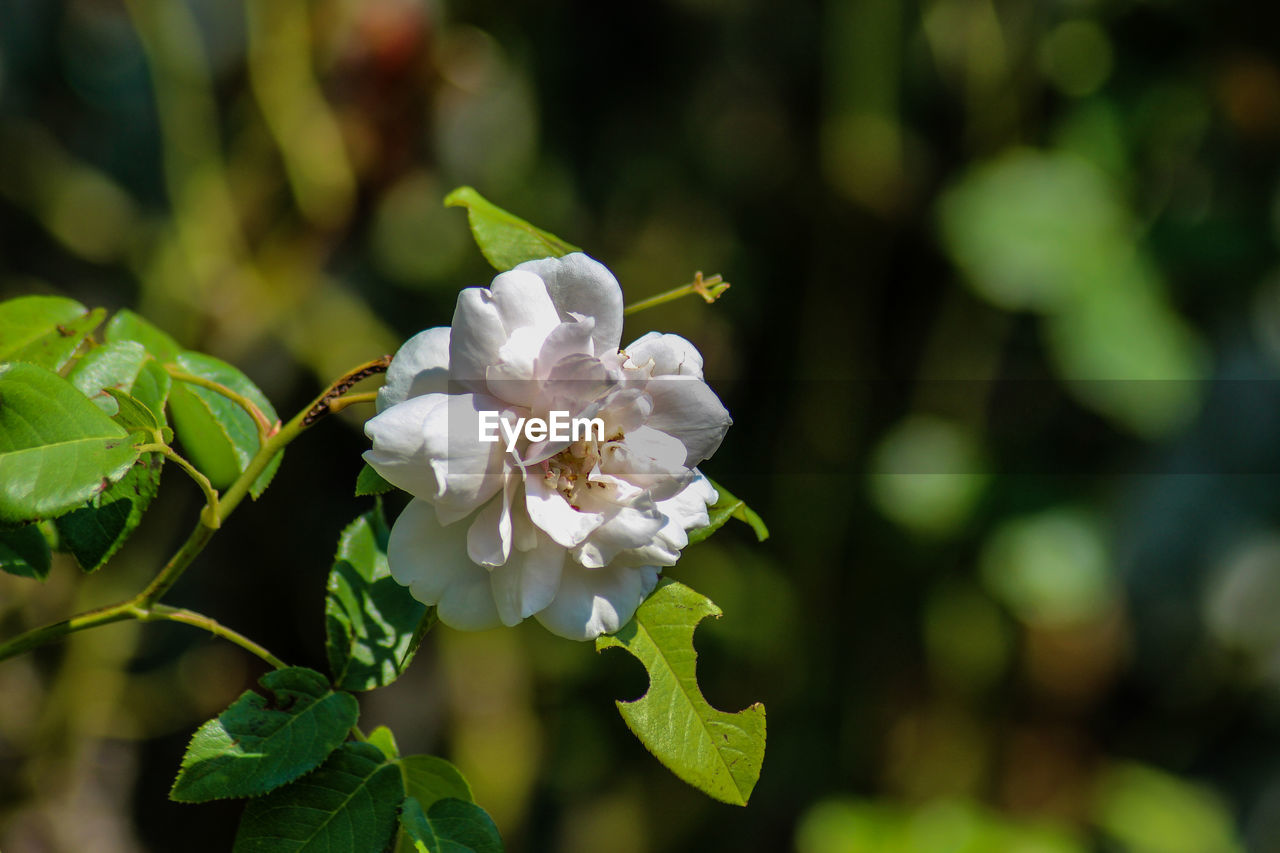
column 44, row 330
column 57, row 449
column 259, row 744
column 726, row 507
column 25, row 552
column 505, row 240
column 350, row 803
column 717, row 752
column 448, row 826
column 372, row 624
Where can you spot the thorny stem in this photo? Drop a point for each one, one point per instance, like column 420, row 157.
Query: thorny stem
column 710, row 289
column 144, row 606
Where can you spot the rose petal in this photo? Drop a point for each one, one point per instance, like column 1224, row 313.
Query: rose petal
column 420, row 366
column 528, row 582
column 432, row 561
column 399, row 451
column 670, row 354
column 478, row 334
column 549, row 511
column 688, row 409
column 582, row 285
column 522, row 301
column 489, row 536
column 469, row 471
column 591, row 602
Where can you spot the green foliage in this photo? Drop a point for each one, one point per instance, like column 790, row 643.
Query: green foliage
column 726, row 507
column 717, row 752
column 44, row 330
column 1150, row 811
column 94, row 532
column 383, row 738
column 449, row 826
column 369, row 482
column 350, row 803
column 57, row 449
column 114, row 365
column 259, row 744
column 220, row 437
column 372, row 624
column 25, row 552
column 428, row 778
column 505, row 240
column 128, row 326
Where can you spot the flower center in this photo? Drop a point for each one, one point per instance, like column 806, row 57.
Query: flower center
column 569, row 471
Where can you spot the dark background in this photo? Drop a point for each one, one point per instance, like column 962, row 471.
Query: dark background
column 1001, row 349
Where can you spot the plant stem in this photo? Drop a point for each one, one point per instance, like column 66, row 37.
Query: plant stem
column 144, row 606
column 213, row 626
column 350, row 400
column 710, row 289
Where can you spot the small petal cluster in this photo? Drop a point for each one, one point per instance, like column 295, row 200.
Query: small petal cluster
column 573, row 533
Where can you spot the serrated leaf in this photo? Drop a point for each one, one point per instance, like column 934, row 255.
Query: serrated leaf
column 128, row 326
column 372, row 624
column 349, row 804
column 449, row 826
column 505, row 240
column 95, row 532
column 57, row 449
column 152, row 388
column 220, row 437
column 259, row 744
column 44, row 330
column 369, row 483
column 25, row 552
column 133, row 414
column 114, row 365
column 717, row 752
column 726, row 507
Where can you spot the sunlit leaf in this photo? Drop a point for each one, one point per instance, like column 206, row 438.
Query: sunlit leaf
column 717, row 752
column 726, row 507
column 44, row 330
column 260, row 743
column 114, row 365
column 384, row 739
column 369, row 482
column 428, row 778
column 350, row 803
column 373, row 625
column 57, row 449
column 449, row 826
column 25, row 552
column 505, row 240
column 220, row 437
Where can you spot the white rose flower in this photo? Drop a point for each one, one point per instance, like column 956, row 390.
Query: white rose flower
column 573, row 533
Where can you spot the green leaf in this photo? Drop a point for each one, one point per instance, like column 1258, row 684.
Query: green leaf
column 372, row 624
column 716, row 752
column 383, row 738
column 259, row 744
column 726, row 507
column 95, row 532
column 428, row 778
column 114, row 365
column 57, row 449
column 25, row 552
column 349, row 804
column 128, row 326
column 44, row 330
column 505, row 240
column 449, row 826
column 220, row 437
column 152, row 388
column 133, row 414
column 370, row 482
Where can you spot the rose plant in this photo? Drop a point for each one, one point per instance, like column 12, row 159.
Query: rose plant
column 574, row 533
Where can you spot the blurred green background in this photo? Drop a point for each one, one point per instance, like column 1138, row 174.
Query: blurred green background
column 1001, row 348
